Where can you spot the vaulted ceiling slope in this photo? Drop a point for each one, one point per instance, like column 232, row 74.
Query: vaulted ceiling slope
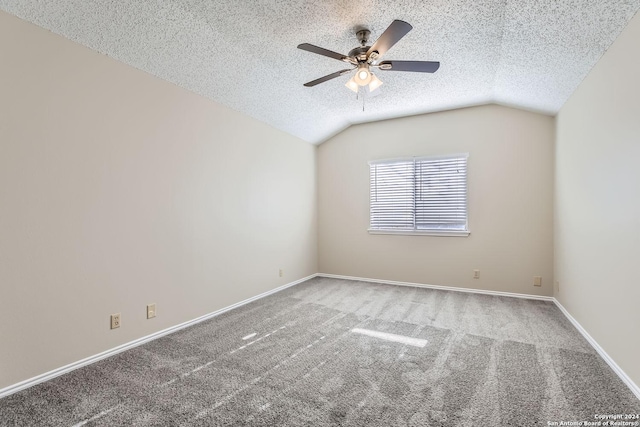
column 525, row 53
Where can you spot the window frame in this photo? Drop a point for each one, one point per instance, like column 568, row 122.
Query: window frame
column 416, row 231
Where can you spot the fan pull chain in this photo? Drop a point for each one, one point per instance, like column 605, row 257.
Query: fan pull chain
column 358, row 96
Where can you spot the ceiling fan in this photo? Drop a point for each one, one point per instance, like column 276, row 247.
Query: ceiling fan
column 364, row 58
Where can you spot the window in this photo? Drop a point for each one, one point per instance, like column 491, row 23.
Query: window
column 421, row 195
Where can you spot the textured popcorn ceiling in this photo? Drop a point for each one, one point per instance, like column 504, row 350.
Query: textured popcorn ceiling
column 526, row 53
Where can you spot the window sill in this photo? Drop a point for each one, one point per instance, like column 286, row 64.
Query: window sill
column 443, row 233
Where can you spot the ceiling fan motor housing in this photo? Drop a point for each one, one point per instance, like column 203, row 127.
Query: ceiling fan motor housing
column 360, row 53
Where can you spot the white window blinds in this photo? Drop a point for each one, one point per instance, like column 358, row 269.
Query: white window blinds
column 392, row 195
column 422, row 194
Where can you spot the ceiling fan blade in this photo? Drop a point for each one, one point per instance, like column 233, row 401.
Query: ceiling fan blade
column 397, row 30
column 327, row 77
column 415, row 66
column 322, row 51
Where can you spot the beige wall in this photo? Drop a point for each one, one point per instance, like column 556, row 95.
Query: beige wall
column 118, row 189
column 510, row 182
column 597, row 216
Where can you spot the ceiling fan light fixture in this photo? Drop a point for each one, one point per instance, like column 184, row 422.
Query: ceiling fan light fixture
column 363, row 75
column 375, row 83
column 351, row 84
column 364, row 57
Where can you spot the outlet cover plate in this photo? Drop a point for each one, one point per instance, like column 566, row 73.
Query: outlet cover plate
column 151, row 311
column 115, row 320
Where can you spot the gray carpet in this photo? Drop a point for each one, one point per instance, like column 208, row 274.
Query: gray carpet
column 474, row 360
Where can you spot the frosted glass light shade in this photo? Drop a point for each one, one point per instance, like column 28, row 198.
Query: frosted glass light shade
column 351, row 84
column 375, row 83
column 363, row 75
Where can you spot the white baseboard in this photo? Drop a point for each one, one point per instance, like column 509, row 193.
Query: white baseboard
column 442, row 288
column 92, row 359
column 613, row 365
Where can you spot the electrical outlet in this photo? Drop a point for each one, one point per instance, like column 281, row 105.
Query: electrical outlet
column 557, row 285
column 476, row 274
column 281, row 272
column 537, row 280
column 151, row 311
column 115, row 321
